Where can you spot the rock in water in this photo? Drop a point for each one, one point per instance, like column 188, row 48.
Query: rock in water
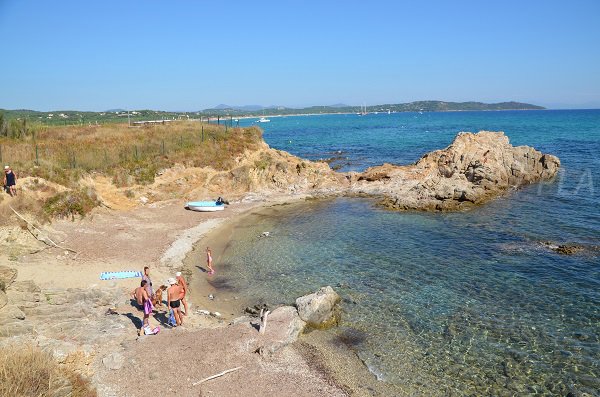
column 472, row 170
column 319, row 309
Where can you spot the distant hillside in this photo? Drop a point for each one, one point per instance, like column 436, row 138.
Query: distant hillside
column 70, row 117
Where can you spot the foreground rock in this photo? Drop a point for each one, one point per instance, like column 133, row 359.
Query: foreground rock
column 319, row 309
column 474, row 169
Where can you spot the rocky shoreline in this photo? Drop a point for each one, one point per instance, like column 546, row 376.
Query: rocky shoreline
column 51, row 297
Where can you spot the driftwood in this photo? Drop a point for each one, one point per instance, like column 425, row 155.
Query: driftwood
column 39, row 235
column 216, row 376
column 263, row 321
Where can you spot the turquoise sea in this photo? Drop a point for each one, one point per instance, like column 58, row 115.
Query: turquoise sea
column 468, row 303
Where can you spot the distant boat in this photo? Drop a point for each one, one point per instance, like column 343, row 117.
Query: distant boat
column 263, row 120
column 205, row 206
column 363, row 110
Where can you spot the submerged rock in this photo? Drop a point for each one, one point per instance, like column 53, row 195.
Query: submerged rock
column 564, row 249
column 319, row 309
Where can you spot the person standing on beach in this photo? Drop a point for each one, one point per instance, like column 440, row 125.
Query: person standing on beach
column 140, row 294
column 146, row 277
column 183, row 285
column 173, row 294
column 10, row 181
column 209, row 261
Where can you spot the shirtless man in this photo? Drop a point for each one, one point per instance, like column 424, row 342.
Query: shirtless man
column 140, row 294
column 184, row 288
column 173, row 298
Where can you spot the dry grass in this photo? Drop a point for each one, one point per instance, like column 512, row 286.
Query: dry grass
column 27, row 371
column 61, row 154
column 129, row 156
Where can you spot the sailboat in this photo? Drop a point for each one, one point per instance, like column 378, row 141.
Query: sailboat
column 363, row 110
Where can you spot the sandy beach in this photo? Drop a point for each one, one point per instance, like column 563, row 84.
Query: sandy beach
column 106, row 348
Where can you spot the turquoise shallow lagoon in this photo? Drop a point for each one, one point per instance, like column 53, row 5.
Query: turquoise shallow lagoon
column 463, row 303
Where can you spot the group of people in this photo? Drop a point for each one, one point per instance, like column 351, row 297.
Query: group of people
column 177, row 289
column 145, row 295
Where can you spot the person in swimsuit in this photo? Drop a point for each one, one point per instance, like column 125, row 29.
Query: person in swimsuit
column 173, row 294
column 142, row 298
column 10, row 181
column 209, row 261
column 183, row 285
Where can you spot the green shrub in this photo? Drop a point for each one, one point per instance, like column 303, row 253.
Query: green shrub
column 76, row 202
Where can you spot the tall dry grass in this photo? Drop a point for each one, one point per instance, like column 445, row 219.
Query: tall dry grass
column 63, row 153
column 25, row 370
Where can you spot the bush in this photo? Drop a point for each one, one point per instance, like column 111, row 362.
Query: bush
column 76, row 202
column 25, row 370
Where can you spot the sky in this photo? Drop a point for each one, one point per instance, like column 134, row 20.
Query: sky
column 192, row 55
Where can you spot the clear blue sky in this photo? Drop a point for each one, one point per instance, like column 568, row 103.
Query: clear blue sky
column 191, row 55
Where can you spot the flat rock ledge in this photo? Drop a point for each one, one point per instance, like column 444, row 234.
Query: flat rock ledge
column 474, row 169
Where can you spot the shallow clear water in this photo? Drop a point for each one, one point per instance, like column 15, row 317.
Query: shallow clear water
column 440, row 303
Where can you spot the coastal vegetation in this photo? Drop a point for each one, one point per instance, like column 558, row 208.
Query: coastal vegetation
column 65, row 155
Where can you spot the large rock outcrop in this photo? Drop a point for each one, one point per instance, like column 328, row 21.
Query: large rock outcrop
column 472, row 170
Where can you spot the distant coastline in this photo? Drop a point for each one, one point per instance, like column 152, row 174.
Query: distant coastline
column 228, row 113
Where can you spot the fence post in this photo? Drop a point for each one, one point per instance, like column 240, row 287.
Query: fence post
column 218, row 120
column 37, row 159
column 163, row 147
column 202, row 134
column 136, row 152
column 181, row 140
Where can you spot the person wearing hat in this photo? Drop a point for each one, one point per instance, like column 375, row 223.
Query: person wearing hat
column 173, row 297
column 10, row 181
column 181, row 282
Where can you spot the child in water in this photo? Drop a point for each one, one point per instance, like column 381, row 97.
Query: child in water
column 211, row 271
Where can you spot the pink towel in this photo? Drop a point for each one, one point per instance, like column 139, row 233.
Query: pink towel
column 148, row 307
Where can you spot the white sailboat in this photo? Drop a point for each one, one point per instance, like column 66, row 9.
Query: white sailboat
column 363, row 110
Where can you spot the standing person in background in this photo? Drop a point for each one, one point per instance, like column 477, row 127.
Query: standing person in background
column 184, row 288
column 146, row 277
column 10, row 181
column 209, row 261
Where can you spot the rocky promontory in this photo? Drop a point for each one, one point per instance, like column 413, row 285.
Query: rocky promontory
column 474, row 169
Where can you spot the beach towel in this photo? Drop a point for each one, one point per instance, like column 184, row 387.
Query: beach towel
column 172, row 321
column 148, row 307
column 119, row 275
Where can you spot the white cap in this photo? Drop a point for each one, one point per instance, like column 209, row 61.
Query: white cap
column 171, row 281
column 6, row 167
column 178, row 274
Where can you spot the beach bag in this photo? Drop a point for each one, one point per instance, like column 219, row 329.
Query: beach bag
column 150, row 331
